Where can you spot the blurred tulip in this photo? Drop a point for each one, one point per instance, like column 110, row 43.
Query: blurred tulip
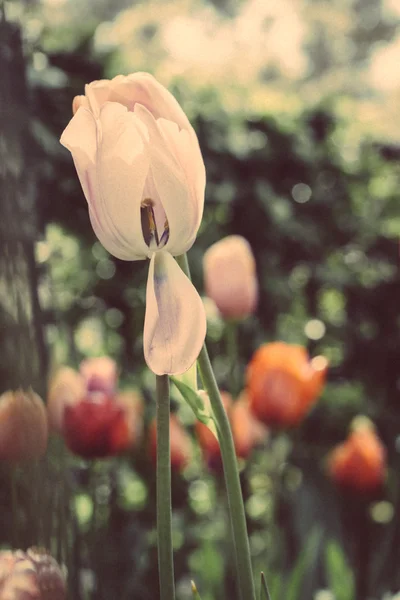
column 180, row 443
column 132, row 402
column 100, row 374
column 23, row 426
column 230, row 277
column 359, row 463
column 283, row 383
column 247, row 431
column 67, row 387
column 208, row 440
column 142, row 173
column 30, row 575
column 97, row 426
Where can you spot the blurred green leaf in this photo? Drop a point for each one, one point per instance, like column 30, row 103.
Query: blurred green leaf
column 340, row 576
column 306, row 558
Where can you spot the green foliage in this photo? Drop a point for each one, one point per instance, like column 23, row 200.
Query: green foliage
column 340, row 576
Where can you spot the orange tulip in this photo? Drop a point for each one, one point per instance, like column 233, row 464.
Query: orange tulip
column 23, row 426
column 247, row 431
column 283, row 384
column 180, row 443
column 359, row 463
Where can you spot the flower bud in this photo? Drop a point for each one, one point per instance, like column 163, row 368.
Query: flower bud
column 180, row 443
column 230, row 277
column 283, row 384
column 23, row 426
column 100, row 374
column 359, row 463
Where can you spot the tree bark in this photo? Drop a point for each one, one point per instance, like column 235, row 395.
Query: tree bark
column 22, row 355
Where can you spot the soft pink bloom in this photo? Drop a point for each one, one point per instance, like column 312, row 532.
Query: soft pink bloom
column 100, row 374
column 143, row 176
column 230, row 277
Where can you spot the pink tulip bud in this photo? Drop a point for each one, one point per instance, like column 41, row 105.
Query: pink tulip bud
column 230, row 277
column 100, row 374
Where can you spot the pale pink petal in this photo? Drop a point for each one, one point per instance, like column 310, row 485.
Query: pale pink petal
column 172, row 186
column 175, row 322
column 112, row 164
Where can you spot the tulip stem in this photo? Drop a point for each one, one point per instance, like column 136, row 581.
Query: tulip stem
column 164, row 507
column 232, row 481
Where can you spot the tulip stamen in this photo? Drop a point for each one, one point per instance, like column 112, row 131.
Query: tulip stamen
column 165, row 235
column 149, row 227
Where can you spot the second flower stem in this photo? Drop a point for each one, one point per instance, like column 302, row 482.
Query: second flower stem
column 232, row 481
column 164, row 506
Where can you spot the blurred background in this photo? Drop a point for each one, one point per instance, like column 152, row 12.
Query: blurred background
column 296, row 107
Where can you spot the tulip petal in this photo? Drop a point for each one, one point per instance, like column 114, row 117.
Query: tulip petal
column 112, row 164
column 141, row 88
column 175, row 321
column 172, row 185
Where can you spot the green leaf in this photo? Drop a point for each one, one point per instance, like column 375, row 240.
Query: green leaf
column 193, row 399
column 340, row 576
column 264, row 593
column 306, row 558
column 195, row 593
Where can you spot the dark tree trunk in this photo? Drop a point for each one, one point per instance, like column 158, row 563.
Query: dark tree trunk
column 22, row 355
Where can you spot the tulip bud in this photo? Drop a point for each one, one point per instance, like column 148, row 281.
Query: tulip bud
column 180, row 443
column 100, row 374
column 230, row 277
column 283, row 384
column 23, row 426
column 66, row 388
column 359, row 463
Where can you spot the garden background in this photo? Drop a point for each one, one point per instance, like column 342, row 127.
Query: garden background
column 296, row 106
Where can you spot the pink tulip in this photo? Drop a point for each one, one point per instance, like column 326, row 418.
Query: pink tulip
column 100, row 374
column 143, row 176
column 230, row 277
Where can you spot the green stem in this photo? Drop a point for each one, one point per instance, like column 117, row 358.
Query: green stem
column 164, row 508
column 232, row 481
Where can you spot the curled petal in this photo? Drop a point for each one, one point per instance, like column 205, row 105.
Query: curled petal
column 167, row 147
column 140, row 88
column 175, row 322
